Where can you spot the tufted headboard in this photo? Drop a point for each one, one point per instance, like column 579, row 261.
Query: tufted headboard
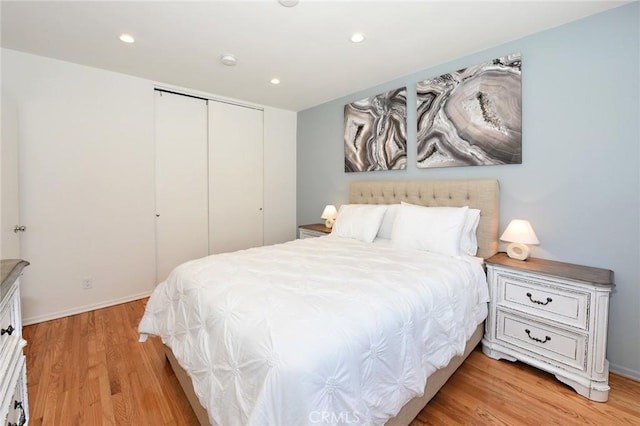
column 483, row 194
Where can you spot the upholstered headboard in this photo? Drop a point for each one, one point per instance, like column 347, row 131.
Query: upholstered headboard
column 483, row 194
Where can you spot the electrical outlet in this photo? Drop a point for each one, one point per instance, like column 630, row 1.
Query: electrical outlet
column 87, row 283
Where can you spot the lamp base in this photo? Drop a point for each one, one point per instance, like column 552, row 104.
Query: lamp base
column 518, row 251
column 329, row 223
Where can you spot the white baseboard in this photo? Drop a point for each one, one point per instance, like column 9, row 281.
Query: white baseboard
column 626, row 372
column 86, row 308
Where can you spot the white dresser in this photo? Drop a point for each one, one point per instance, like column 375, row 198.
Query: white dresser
column 14, row 406
column 553, row 316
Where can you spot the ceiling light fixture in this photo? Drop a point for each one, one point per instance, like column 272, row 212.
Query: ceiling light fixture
column 288, row 3
column 127, row 38
column 275, row 81
column 357, row 38
column 228, row 59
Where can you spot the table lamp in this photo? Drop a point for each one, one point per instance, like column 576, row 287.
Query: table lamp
column 519, row 233
column 329, row 214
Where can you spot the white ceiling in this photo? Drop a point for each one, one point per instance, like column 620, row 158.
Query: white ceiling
column 307, row 47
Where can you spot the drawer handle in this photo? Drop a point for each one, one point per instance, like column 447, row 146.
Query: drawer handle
column 23, row 417
column 546, row 338
column 7, row 330
column 540, row 302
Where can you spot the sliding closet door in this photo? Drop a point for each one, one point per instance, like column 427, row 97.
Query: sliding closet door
column 235, row 177
column 181, row 181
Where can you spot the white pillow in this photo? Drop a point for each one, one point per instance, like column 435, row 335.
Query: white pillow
column 386, row 227
column 435, row 229
column 359, row 221
column 469, row 239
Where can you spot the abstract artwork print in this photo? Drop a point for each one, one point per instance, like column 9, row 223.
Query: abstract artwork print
column 471, row 117
column 375, row 133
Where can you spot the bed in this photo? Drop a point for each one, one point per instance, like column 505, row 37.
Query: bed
column 296, row 346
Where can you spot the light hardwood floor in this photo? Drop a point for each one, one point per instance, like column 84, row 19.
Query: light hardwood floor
column 89, row 369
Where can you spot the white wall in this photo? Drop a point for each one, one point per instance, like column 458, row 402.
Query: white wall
column 9, row 240
column 86, row 169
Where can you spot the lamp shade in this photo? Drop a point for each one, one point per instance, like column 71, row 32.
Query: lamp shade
column 520, row 231
column 329, row 212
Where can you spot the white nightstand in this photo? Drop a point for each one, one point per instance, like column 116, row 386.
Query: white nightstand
column 314, row 230
column 553, row 316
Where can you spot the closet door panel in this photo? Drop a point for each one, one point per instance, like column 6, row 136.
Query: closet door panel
column 182, row 220
column 235, row 177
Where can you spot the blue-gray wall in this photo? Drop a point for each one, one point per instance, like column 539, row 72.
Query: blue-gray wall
column 579, row 181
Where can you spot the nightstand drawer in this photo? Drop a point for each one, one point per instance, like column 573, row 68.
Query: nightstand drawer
column 313, row 230
column 545, row 300
column 554, row 343
column 307, row 233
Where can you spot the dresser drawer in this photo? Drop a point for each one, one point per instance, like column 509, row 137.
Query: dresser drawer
column 16, row 409
column 543, row 299
column 9, row 323
column 563, row 346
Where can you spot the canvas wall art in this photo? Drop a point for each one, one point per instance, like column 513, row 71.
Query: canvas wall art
column 375, row 133
column 471, row 117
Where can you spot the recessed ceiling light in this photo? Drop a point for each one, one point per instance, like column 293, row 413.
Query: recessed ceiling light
column 357, row 37
column 127, row 38
column 228, row 59
column 275, row 81
column 288, row 3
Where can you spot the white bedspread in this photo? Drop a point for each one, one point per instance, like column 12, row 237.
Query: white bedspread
column 315, row 331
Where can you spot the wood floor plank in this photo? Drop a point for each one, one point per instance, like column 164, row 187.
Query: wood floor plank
column 91, row 410
column 90, row 369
